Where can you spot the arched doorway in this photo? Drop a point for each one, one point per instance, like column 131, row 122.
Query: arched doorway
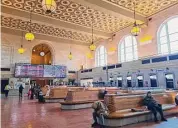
column 42, row 55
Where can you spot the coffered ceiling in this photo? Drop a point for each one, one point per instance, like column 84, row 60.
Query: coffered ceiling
column 24, row 25
column 144, row 7
column 72, row 20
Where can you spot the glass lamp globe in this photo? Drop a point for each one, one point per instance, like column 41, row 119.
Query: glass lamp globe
column 49, row 5
column 135, row 30
column 89, row 56
column 21, row 50
column 29, row 36
column 70, row 56
column 92, row 47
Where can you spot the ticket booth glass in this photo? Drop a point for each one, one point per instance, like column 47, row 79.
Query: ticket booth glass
column 119, row 81
column 169, row 80
column 140, row 80
column 129, row 81
column 153, row 80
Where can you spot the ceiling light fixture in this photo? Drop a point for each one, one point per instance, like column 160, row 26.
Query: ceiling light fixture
column 29, row 36
column 136, row 28
column 89, row 55
column 92, row 45
column 21, row 50
column 49, row 6
column 70, row 54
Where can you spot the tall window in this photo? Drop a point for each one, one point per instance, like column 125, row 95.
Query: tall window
column 168, row 37
column 128, row 49
column 101, row 56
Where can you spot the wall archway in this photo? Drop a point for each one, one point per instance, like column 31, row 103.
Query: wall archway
column 42, row 53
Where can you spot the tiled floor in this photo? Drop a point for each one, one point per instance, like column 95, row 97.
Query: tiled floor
column 30, row 114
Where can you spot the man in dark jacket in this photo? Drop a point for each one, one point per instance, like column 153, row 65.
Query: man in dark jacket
column 176, row 99
column 20, row 90
column 153, row 106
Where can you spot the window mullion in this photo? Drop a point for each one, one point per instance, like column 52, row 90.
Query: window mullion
column 133, row 57
column 168, row 39
column 124, row 51
column 105, row 56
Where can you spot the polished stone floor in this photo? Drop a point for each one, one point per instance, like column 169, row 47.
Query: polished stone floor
column 26, row 113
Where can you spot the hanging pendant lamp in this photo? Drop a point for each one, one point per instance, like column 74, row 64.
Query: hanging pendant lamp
column 70, row 54
column 92, row 45
column 21, row 50
column 29, row 36
column 136, row 28
column 49, row 6
column 89, row 55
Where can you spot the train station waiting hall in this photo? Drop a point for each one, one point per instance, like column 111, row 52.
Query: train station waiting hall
column 89, row 63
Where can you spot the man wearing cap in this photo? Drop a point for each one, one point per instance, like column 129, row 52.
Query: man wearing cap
column 153, row 106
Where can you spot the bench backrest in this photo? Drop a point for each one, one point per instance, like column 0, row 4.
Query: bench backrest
column 85, row 95
column 44, row 90
column 115, row 103
column 58, row 92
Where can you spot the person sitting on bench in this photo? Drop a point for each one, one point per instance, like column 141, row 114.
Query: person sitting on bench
column 100, row 110
column 176, row 99
column 153, row 106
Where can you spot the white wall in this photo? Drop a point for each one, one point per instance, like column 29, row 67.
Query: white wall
column 136, row 68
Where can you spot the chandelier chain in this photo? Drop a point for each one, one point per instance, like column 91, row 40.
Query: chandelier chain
column 92, row 28
column 22, row 40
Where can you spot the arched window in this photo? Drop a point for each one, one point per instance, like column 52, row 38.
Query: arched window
column 128, row 49
column 101, row 56
column 168, row 36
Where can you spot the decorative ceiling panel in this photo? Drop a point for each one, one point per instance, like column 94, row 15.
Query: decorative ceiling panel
column 145, row 7
column 18, row 24
column 75, row 13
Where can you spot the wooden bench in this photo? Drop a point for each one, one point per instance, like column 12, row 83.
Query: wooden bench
column 79, row 99
column 120, row 108
column 44, row 90
column 56, row 94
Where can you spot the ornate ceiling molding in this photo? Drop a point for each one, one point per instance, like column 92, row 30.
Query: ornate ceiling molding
column 144, row 7
column 74, row 17
column 24, row 25
column 75, row 13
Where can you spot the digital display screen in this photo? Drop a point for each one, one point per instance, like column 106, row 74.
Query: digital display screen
column 49, row 71
column 60, row 71
column 30, row 70
column 54, row 71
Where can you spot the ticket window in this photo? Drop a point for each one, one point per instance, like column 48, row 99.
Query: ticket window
column 140, row 80
column 119, row 81
column 153, row 80
column 111, row 81
column 169, row 80
column 129, row 81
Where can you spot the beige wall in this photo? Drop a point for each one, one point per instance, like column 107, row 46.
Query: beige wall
column 59, row 51
column 144, row 50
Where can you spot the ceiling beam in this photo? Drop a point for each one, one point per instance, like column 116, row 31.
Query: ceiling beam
column 109, row 8
column 42, row 37
column 46, row 20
